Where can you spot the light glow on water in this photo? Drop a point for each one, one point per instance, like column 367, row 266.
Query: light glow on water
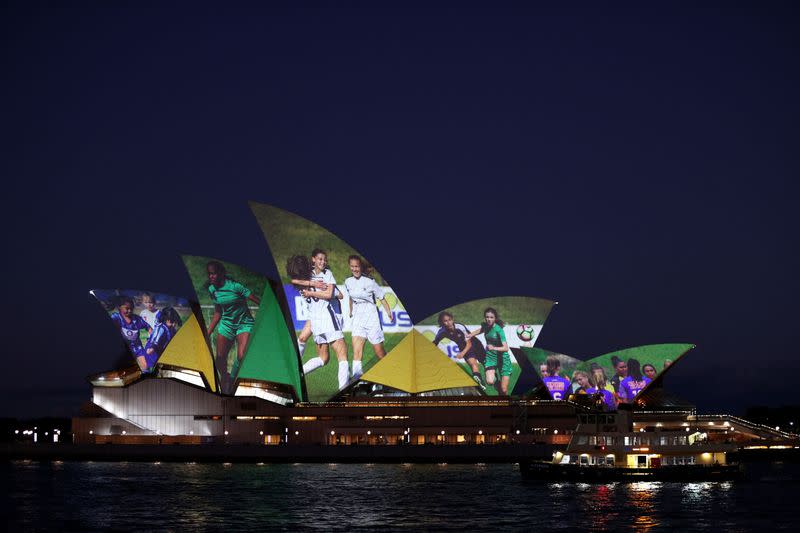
column 181, row 496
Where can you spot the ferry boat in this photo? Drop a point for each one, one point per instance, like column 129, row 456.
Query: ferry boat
column 606, row 447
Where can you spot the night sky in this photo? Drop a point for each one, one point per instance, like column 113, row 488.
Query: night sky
column 637, row 165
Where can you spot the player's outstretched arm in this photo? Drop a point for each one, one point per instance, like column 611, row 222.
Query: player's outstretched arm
column 473, row 333
column 322, row 294
column 310, row 283
column 387, row 309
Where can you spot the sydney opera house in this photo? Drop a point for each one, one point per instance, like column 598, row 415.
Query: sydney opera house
column 328, row 355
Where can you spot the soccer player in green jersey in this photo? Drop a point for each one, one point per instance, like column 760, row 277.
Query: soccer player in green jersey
column 498, row 360
column 232, row 319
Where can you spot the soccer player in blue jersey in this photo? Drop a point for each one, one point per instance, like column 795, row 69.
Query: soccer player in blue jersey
column 558, row 386
column 167, row 323
column 130, row 325
column 634, row 383
column 471, row 352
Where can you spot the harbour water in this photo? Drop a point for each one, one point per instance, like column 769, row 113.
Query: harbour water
column 84, row 496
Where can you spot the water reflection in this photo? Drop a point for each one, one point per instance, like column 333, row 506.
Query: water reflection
column 324, row 497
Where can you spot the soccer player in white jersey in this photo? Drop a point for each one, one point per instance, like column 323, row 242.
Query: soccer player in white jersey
column 149, row 312
column 364, row 294
column 299, row 269
column 324, row 311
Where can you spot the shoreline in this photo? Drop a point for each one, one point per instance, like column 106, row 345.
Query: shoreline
column 242, row 453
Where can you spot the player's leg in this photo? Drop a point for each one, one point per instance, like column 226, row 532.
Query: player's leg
column 304, row 335
column 476, row 371
column 380, row 351
column 223, row 345
column 340, row 348
column 358, row 355
column 322, row 355
column 490, row 376
column 242, row 340
column 504, row 384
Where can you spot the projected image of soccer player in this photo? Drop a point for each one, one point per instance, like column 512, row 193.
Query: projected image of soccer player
column 633, row 383
column 130, row 325
column 587, row 385
column 149, row 312
column 498, row 360
column 649, row 371
column 363, row 295
column 232, row 319
column 620, row 373
column 298, row 268
column 167, row 323
column 325, row 315
column 559, row 387
column 469, row 351
column 543, row 370
column 600, row 379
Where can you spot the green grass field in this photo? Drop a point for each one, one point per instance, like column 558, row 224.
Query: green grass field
column 323, row 383
column 654, row 354
column 512, row 310
column 196, row 267
column 289, row 234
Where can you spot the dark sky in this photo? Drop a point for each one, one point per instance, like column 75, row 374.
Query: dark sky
column 637, row 165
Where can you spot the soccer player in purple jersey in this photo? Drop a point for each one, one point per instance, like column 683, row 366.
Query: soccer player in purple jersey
column 167, row 323
column 649, row 371
column 558, row 386
column 130, row 325
column 634, row 383
column 620, row 372
column 471, row 352
column 587, row 385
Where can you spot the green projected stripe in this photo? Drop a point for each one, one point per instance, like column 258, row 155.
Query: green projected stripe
column 271, row 353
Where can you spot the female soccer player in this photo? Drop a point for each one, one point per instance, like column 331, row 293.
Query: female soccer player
column 471, row 352
column 130, row 325
column 325, row 315
column 621, row 372
column 498, row 360
column 599, row 378
column 167, row 323
column 634, row 383
column 232, row 319
column 363, row 293
column 649, row 371
column 587, row 385
column 299, row 269
column 149, row 312
column 581, row 381
column 558, row 386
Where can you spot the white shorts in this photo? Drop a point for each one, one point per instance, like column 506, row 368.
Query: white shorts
column 367, row 324
column 326, row 338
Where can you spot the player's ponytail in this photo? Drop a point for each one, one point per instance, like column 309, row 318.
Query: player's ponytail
column 298, row 267
column 634, row 369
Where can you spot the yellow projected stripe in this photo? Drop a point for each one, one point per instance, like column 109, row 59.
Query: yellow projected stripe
column 188, row 349
column 417, row 365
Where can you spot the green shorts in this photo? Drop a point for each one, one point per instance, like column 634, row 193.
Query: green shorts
column 491, row 363
column 230, row 331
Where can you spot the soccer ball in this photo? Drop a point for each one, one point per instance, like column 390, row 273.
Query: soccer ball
column 525, row 332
